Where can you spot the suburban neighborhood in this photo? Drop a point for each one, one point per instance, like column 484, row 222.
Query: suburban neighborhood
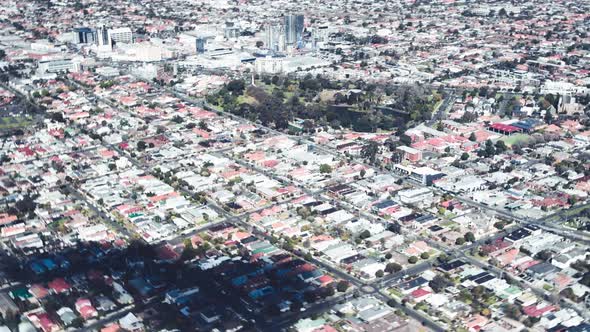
column 310, row 166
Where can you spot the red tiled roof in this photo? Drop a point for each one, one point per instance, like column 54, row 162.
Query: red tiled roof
column 59, row 285
column 535, row 311
column 504, row 127
column 419, row 293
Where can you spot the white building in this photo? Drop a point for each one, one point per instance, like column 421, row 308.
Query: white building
column 121, row 36
column 269, row 65
column 413, row 196
column 57, row 64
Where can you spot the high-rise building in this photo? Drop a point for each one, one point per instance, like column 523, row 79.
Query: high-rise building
column 294, row 25
column 102, row 37
column 275, row 37
column 84, row 35
column 121, row 35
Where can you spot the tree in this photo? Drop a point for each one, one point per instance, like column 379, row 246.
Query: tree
column 530, row 321
column 472, row 137
column 26, row 205
column 405, row 139
column 141, row 145
column 501, row 146
column 393, row 268
column 379, row 274
column 287, row 245
column 465, row 156
column 442, row 258
column 439, row 283
column 369, row 151
column 512, row 311
column 259, row 44
column 569, row 294
column 365, row 234
column 469, row 237
column 489, row 149
column 342, row 286
column 330, row 291
column 460, row 241
column 203, row 125
column 413, row 260
column 236, row 87
column 188, row 252
column 424, row 255
column 325, row 168
column 275, row 80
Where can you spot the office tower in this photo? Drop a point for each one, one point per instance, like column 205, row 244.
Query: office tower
column 231, row 31
column 275, row 37
column 294, row 25
column 102, row 37
column 200, row 45
column 121, row 35
column 84, row 35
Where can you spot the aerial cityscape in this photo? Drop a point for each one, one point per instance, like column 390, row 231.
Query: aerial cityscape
column 302, row 166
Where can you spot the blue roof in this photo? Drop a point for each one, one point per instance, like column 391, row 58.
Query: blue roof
column 37, row 268
column 526, row 123
column 384, row 204
column 413, row 283
column 48, row 262
column 239, row 280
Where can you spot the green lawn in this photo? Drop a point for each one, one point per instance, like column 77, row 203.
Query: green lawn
column 14, row 122
column 510, row 140
column 243, row 99
column 396, row 293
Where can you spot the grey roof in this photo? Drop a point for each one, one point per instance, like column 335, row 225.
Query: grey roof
column 542, row 268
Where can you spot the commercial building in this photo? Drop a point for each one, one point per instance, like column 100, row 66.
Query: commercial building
column 275, row 37
column 504, row 129
column 121, row 35
column 102, row 37
column 294, row 25
column 84, row 35
column 424, row 175
column 409, row 153
column 56, row 65
column 269, row 65
column 413, row 196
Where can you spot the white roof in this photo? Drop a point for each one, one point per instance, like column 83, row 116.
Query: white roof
column 120, row 30
column 128, row 320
